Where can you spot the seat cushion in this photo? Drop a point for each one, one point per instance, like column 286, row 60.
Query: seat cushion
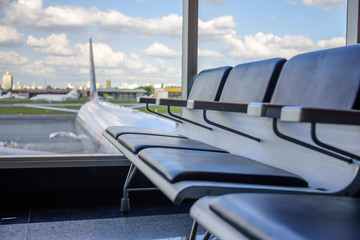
column 180, row 165
column 116, row 131
column 290, row 216
column 136, row 143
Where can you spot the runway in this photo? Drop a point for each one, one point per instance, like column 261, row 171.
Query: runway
column 31, row 132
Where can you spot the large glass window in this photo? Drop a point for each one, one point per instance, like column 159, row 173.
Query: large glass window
column 44, row 49
column 44, row 53
column 233, row 31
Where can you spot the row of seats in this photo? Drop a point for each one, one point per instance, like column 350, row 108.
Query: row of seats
column 251, row 144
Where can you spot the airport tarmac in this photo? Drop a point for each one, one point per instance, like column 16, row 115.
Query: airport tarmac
column 32, row 132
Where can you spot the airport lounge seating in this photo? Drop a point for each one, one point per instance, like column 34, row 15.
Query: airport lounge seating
column 291, row 216
column 268, row 70
column 212, row 80
column 277, row 216
column 310, row 80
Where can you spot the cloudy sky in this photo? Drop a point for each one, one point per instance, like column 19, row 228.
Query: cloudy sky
column 139, row 41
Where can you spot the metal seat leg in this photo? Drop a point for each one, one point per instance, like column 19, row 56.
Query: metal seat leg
column 125, row 201
column 193, row 230
column 207, row 236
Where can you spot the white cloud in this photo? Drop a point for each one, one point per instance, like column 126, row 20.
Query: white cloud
column 160, row 50
column 10, row 37
column 66, row 16
column 216, row 2
column 12, row 58
column 32, row 4
column 170, row 25
column 106, row 60
column 32, row 14
column 327, row 5
column 290, row 2
column 216, row 28
column 52, row 45
column 208, row 53
column 38, row 68
column 103, row 54
column 263, row 45
column 333, row 42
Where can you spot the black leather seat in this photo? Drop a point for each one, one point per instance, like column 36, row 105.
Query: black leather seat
column 252, row 82
column 135, row 143
column 181, row 165
column 277, row 216
column 321, row 79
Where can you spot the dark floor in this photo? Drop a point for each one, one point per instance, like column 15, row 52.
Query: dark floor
column 86, row 215
column 78, row 202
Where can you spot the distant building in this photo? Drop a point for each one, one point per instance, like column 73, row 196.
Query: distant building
column 28, row 93
column 108, row 83
column 70, row 86
column 121, row 94
column 7, row 82
column 174, row 93
column 16, row 86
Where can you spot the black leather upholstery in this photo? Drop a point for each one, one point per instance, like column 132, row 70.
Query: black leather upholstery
column 326, row 78
column 209, row 83
column 252, row 82
column 136, row 142
column 181, row 165
column 116, row 131
column 290, row 216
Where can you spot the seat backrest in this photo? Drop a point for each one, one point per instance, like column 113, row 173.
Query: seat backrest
column 252, row 82
column 209, row 83
column 325, row 79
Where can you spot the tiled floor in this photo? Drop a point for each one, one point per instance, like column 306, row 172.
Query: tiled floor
column 152, row 217
column 146, row 227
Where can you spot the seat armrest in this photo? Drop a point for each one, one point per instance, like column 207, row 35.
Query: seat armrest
column 147, row 100
column 171, row 102
column 217, row 106
column 264, row 110
column 320, row 115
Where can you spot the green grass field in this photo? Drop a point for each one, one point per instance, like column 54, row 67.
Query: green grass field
column 68, row 101
column 161, row 109
column 25, row 110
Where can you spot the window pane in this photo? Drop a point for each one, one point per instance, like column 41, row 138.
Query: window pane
column 232, row 31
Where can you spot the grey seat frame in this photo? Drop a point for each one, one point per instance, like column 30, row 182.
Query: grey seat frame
column 277, row 152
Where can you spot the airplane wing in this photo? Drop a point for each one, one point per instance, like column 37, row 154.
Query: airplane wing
column 52, row 108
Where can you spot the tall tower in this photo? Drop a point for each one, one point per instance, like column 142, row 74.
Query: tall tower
column 7, row 82
column 108, row 83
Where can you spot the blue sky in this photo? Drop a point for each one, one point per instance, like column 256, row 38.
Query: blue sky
column 139, row 41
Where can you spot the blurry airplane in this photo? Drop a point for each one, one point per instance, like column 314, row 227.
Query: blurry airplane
column 56, row 97
column 6, row 96
column 96, row 115
column 10, row 95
